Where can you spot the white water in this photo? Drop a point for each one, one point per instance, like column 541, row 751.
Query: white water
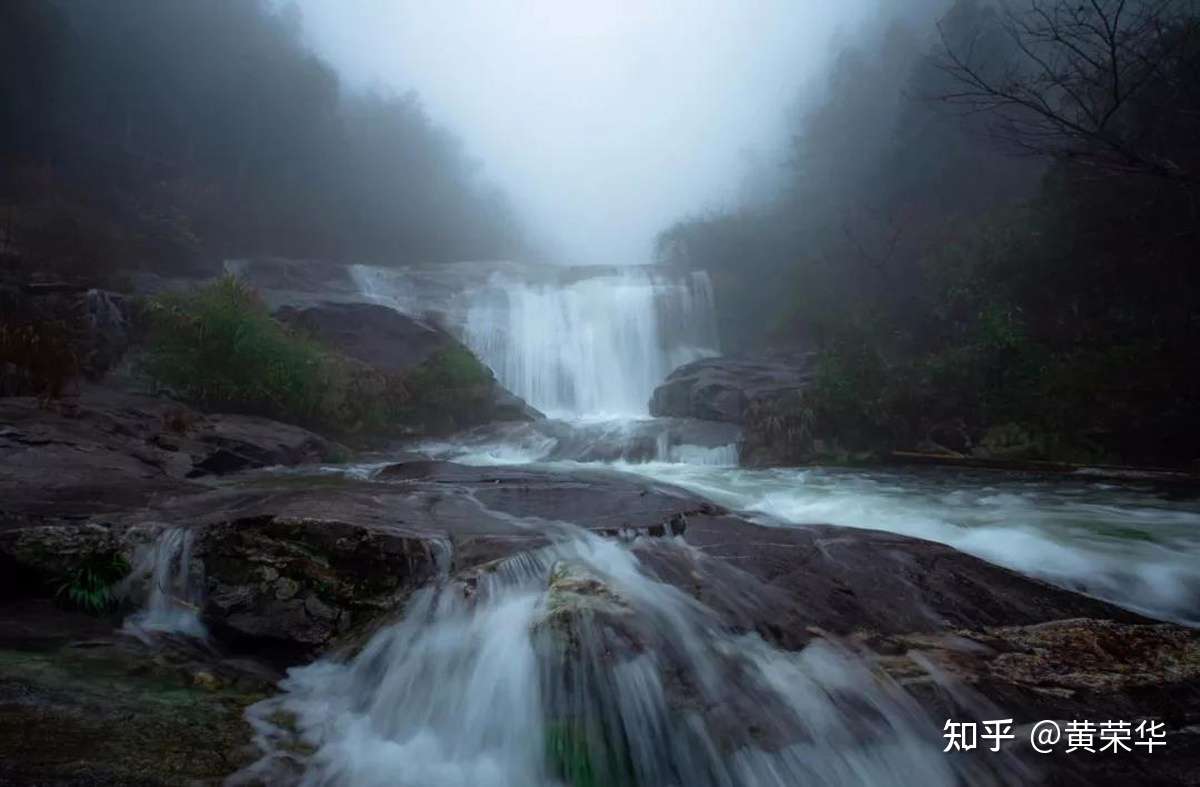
column 1132, row 546
column 569, row 343
column 173, row 594
column 494, row 685
column 472, row 688
column 593, row 439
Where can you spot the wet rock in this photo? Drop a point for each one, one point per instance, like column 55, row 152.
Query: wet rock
column 116, row 712
column 376, row 335
column 52, row 551
column 395, row 344
column 120, row 450
column 287, row 587
column 1083, row 669
column 722, row 389
column 107, row 328
column 579, row 606
column 292, row 282
column 792, row 584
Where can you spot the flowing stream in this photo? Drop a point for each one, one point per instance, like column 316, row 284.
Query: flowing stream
column 169, row 585
column 575, row 666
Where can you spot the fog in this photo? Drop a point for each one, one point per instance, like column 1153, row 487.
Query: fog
column 604, row 122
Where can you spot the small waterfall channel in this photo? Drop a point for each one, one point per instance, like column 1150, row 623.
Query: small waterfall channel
column 572, row 665
column 173, row 591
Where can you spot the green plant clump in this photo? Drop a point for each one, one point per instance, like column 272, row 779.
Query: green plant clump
column 587, row 759
column 219, row 346
column 91, row 586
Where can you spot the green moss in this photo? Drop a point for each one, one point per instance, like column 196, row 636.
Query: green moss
column 103, row 715
column 583, row 757
column 451, row 390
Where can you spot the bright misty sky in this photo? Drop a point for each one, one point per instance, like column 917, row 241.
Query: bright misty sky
column 603, row 120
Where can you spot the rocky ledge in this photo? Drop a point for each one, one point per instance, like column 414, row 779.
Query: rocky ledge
column 111, row 450
column 295, row 564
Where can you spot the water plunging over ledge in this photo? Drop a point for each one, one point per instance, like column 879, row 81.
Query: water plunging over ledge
column 173, row 594
column 569, row 341
column 572, row 665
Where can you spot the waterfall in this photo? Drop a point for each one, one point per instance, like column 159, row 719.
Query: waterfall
column 573, row 666
column 597, row 345
column 174, row 592
column 569, row 341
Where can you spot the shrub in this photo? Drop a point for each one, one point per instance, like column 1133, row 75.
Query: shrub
column 219, row 347
column 38, row 358
column 91, row 587
column 450, row 390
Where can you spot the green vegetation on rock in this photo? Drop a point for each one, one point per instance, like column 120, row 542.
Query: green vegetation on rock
column 584, row 758
column 91, row 587
column 219, row 347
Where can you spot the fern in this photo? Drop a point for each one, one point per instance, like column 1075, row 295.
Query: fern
column 91, row 586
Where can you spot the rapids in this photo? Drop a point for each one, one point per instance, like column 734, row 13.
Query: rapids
column 573, row 665
column 568, row 341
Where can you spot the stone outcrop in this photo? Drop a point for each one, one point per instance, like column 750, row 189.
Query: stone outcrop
column 395, row 344
column 82, row 705
column 114, row 450
column 287, row 586
column 722, row 389
column 764, row 395
column 53, row 333
column 376, row 335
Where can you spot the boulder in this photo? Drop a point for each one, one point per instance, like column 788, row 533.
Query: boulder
column 285, row 586
column 376, row 335
column 396, row 344
column 722, row 389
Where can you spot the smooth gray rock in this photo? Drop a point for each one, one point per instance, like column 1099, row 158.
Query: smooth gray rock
column 722, row 389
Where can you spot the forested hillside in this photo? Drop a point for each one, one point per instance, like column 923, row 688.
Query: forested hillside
column 989, row 233
column 165, row 134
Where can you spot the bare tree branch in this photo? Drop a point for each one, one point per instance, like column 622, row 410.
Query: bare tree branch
column 1066, row 76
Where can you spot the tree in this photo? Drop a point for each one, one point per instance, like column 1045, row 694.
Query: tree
column 1109, row 84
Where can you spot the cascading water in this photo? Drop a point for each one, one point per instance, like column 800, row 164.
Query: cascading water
column 573, row 666
column 568, row 341
column 598, row 345
column 173, row 594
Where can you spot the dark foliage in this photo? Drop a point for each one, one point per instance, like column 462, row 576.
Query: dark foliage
column 1051, row 301
column 167, row 133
